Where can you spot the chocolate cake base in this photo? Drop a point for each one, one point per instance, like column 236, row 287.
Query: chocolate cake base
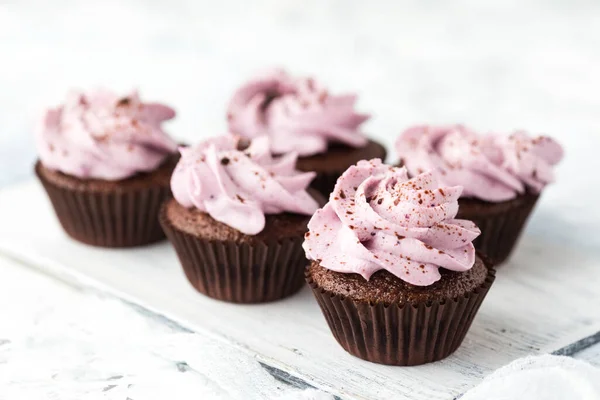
column 109, row 213
column 338, row 158
column 388, row 321
column 501, row 223
column 225, row 264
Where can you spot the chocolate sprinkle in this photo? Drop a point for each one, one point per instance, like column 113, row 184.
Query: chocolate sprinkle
column 243, row 144
column 124, row 102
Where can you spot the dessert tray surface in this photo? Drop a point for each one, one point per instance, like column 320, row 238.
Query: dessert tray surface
column 544, row 300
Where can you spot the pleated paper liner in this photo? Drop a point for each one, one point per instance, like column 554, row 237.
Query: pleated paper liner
column 239, row 272
column 501, row 224
column 404, row 335
column 124, row 218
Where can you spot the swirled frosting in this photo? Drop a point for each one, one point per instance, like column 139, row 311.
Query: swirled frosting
column 377, row 218
column 296, row 113
column 101, row 135
column 237, row 183
column 490, row 167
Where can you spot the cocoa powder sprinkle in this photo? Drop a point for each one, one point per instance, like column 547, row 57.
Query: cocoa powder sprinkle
column 124, row 102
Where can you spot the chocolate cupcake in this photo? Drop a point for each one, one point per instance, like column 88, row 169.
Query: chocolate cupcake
column 106, row 163
column 502, row 176
column 300, row 115
column 238, row 219
column 396, row 276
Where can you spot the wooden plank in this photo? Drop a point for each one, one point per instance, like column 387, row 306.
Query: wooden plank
column 591, row 355
column 106, row 345
column 586, row 344
column 543, row 300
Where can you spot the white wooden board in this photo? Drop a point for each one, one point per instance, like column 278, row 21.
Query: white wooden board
column 545, row 299
column 59, row 342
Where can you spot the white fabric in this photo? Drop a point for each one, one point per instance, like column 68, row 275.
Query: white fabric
column 544, row 377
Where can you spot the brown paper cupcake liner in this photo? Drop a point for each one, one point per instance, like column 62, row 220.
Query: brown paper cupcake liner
column 392, row 334
column 124, row 218
column 500, row 230
column 239, row 272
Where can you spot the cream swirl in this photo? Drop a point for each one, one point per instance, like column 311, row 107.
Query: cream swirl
column 102, row 135
column 489, row 167
column 531, row 160
column 377, row 218
column 237, row 183
column 296, row 113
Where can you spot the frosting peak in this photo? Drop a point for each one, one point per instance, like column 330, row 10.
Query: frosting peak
column 101, row 135
column 298, row 114
column 237, row 182
column 490, row 167
column 377, row 218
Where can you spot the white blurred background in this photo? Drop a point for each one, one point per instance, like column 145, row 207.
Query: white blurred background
column 495, row 65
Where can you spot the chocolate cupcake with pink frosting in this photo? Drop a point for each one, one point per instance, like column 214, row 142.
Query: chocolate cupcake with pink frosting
column 238, row 218
column 300, row 115
column 394, row 272
column 502, row 176
column 105, row 162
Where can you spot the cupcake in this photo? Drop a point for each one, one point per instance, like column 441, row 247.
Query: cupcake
column 238, row 218
column 502, row 176
column 396, row 276
column 106, row 162
column 300, row 115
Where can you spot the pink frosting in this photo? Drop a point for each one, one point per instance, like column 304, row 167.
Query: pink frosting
column 296, row 113
column 490, row 167
column 101, row 135
column 377, row 218
column 238, row 183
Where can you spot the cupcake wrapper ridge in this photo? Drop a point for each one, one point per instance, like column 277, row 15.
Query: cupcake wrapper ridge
column 125, row 218
column 407, row 335
column 500, row 232
column 239, row 272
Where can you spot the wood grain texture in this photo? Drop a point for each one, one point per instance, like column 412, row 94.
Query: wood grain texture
column 495, row 65
column 591, row 355
column 579, row 346
column 543, row 300
column 60, row 342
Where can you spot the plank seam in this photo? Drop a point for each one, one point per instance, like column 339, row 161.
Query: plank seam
column 72, row 281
